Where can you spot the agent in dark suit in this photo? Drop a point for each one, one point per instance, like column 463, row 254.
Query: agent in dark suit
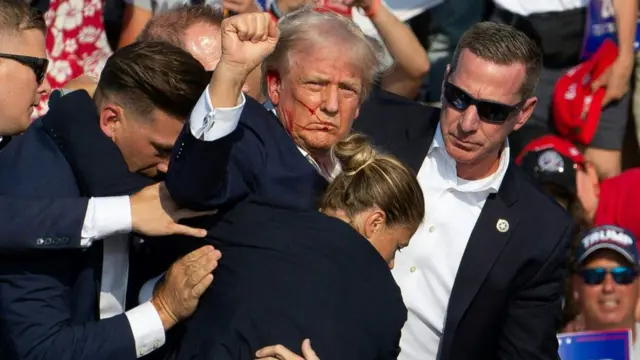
column 288, row 274
column 50, row 305
column 55, row 222
column 497, row 293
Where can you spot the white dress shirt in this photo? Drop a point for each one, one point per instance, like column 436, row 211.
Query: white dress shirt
column 528, row 7
column 426, row 270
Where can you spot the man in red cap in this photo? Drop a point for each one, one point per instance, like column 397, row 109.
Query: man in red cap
column 562, row 170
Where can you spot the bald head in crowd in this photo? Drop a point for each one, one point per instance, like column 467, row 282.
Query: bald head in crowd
column 196, row 28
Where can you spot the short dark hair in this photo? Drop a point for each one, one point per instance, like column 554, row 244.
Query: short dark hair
column 152, row 75
column 171, row 25
column 17, row 16
column 504, row 45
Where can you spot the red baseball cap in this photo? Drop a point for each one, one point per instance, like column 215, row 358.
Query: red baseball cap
column 576, row 110
column 619, row 201
column 552, row 159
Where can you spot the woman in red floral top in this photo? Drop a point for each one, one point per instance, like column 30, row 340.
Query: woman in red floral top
column 76, row 42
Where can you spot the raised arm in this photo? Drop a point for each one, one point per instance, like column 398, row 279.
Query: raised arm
column 214, row 161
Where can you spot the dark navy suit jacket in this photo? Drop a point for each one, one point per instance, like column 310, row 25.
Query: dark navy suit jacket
column 287, row 275
column 506, row 298
column 507, row 295
column 257, row 158
column 288, row 272
column 40, row 223
column 49, row 299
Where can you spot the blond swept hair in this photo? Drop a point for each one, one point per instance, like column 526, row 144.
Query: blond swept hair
column 370, row 178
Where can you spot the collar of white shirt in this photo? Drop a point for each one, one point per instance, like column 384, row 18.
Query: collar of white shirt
column 328, row 171
column 491, row 183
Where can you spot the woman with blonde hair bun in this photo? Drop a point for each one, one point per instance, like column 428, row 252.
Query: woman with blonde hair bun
column 376, row 194
column 322, row 275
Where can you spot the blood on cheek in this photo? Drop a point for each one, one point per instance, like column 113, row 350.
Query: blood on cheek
column 287, row 112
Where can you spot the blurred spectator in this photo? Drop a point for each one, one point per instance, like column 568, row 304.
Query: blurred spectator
column 555, row 164
column 76, row 42
column 439, row 30
column 605, row 281
column 559, row 27
column 138, row 12
column 562, row 170
column 617, row 200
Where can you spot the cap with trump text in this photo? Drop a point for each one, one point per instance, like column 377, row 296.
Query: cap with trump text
column 608, row 237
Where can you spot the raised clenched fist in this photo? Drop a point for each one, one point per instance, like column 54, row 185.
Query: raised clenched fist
column 247, row 39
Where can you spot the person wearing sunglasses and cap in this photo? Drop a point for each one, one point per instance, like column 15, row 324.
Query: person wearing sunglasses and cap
column 605, row 280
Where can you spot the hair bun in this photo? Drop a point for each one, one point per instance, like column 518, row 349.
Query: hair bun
column 354, row 153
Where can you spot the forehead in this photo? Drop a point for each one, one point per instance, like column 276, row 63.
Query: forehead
column 326, row 63
column 163, row 129
column 487, row 80
column 203, row 42
column 605, row 258
column 27, row 42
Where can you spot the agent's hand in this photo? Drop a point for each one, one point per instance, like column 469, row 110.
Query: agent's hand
column 279, row 352
column 153, row 213
column 177, row 295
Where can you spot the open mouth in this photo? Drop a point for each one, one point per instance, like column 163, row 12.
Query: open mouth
column 609, row 304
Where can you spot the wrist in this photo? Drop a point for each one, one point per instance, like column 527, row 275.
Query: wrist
column 166, row 317
column 226, row 84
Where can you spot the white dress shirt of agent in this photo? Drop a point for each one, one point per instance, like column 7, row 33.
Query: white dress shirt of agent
column 23, row 63
column 147, row 212
column 605, row 281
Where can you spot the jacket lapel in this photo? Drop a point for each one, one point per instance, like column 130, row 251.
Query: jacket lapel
column 487, row 240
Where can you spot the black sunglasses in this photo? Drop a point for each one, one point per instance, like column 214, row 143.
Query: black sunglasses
column 489, row 111
column 38, row 65
column 622, row 275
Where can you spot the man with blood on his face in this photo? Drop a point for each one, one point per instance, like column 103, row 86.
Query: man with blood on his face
column 316, row 78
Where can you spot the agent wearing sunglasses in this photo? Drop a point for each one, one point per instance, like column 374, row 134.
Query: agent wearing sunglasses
column 605, row 282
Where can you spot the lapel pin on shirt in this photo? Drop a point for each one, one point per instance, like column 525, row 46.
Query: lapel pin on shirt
column 502, row 225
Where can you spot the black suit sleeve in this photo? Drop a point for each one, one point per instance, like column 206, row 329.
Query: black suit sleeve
column 41, row 223
column 36, row 320
column 205, row 175
column 529, row 331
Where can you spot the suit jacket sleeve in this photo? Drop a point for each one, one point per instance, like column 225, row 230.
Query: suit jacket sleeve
column 532, row 319
column 207, row 172
column 41, row 223
column 36, row 320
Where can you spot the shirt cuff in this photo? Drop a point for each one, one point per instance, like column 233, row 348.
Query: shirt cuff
column 209, row 124
column 146, row 292
column 146, row 328
column 105, row 216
